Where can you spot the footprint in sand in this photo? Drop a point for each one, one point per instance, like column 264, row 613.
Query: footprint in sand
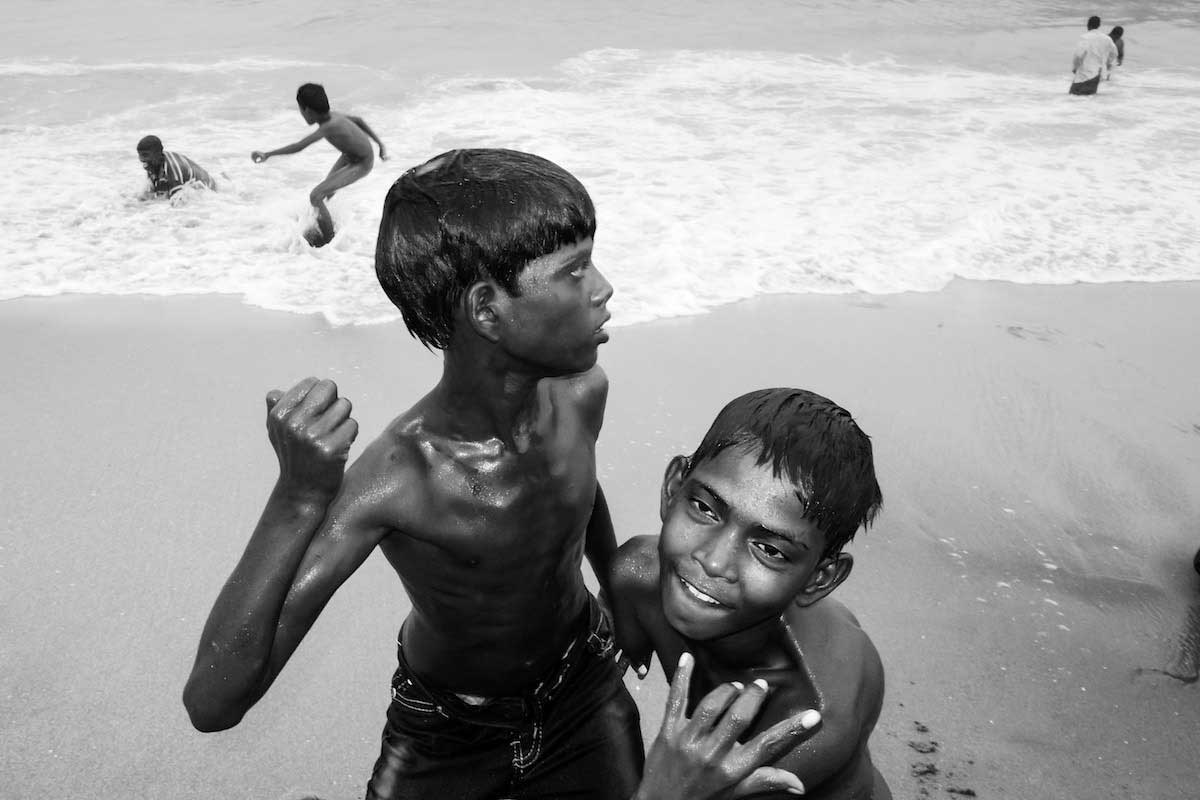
column 1041, row 333
column 1183, row 661
column 930, row 776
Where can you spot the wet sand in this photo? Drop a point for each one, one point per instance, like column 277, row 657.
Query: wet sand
column 1029, row 583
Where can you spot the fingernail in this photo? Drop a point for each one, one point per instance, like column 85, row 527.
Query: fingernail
column 809, row 719
column 795, row 790
column 685, row 659
column 737, row 685
column 760, row 683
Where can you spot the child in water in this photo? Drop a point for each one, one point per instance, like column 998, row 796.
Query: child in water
column 349, row 135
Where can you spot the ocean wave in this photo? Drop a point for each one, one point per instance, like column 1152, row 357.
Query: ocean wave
column 717, row 176
column 52, row 69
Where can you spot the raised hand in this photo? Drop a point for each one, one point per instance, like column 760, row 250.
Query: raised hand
column 311, row 429
column 699, row 758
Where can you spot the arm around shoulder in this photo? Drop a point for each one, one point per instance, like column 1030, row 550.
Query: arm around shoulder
column 633, row 580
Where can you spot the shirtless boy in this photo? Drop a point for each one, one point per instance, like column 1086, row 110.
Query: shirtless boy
column 483, row 497
column 753, row 525
column 349, row 135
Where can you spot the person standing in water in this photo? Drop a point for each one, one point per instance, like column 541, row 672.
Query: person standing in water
column 1095, row 55
column 1117, row 34
column 349, row 134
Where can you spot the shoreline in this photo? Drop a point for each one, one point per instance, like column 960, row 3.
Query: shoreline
column 1038, row 448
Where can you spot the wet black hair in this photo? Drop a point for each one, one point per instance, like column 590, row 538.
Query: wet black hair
column 1093, row 23
column 816, row 443
column 466, row 215
column 312, row 96
column 149, row 144
column 1117, row 32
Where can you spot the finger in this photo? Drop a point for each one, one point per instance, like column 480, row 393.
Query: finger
column 344, row 435
column 766, row 780
column 292, row 397
column 741, row 712
column 779, row 738
column 622, row 664
column 710, row 710
column 677, row 696
column 273, row 398
column 319, row 398
column 337, row 413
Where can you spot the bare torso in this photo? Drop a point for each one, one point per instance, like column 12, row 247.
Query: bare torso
column 341, row 132
column 826, row 662
column 488, row 540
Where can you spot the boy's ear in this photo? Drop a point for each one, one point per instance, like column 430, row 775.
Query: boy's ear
column 825, row 578
column 672, row 480
column 480, row 304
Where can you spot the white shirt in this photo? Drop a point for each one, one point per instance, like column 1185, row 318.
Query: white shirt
column 1094, row 55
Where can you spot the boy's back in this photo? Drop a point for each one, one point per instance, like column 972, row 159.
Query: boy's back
column 347, row 136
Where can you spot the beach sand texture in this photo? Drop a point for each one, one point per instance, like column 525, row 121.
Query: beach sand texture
column 1038, row 448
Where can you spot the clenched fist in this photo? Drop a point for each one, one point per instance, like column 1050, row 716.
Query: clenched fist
column 311, row 429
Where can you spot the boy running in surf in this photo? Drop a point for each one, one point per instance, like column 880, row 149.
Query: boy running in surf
column 349, row 135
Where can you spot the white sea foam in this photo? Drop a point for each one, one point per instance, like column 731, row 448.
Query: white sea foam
column 69, row 69
column 717, row 176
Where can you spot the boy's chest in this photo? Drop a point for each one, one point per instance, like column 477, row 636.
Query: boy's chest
column 540, row 493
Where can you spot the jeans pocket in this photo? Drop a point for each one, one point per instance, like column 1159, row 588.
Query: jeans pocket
column 409, row 695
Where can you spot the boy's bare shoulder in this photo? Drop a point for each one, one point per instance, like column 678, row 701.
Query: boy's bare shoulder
column 394, row 467
column 587, row 391
column 839, row 624
column 634, row 569
column 839, row 650
column 583, row 386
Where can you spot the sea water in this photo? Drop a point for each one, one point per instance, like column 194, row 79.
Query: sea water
column 733, row 148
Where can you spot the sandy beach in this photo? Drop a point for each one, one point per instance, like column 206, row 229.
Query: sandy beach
column 1038, row 448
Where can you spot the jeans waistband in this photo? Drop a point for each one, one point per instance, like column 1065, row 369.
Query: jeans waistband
column 594, row 637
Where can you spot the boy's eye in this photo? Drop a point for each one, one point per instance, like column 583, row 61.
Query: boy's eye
column 703, row 508
column 578, row 270
column 770, row 551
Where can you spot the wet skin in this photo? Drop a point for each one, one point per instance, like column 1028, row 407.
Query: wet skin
column 482, row 497
column 344, row 134
column 735, row 578
column 352, row 137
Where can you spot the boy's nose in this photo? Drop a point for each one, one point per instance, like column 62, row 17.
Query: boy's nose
column 603, row 291
column 716, row 556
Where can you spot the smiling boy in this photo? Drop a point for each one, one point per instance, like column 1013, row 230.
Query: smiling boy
column 169, row 172
column 753, row 525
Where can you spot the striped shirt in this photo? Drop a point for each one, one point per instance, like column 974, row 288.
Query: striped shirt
column 177, row 171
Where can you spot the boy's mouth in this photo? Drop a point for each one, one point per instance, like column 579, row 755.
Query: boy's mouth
column 700, row 596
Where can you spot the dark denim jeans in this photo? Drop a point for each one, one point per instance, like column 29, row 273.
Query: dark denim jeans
column 576, row 735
